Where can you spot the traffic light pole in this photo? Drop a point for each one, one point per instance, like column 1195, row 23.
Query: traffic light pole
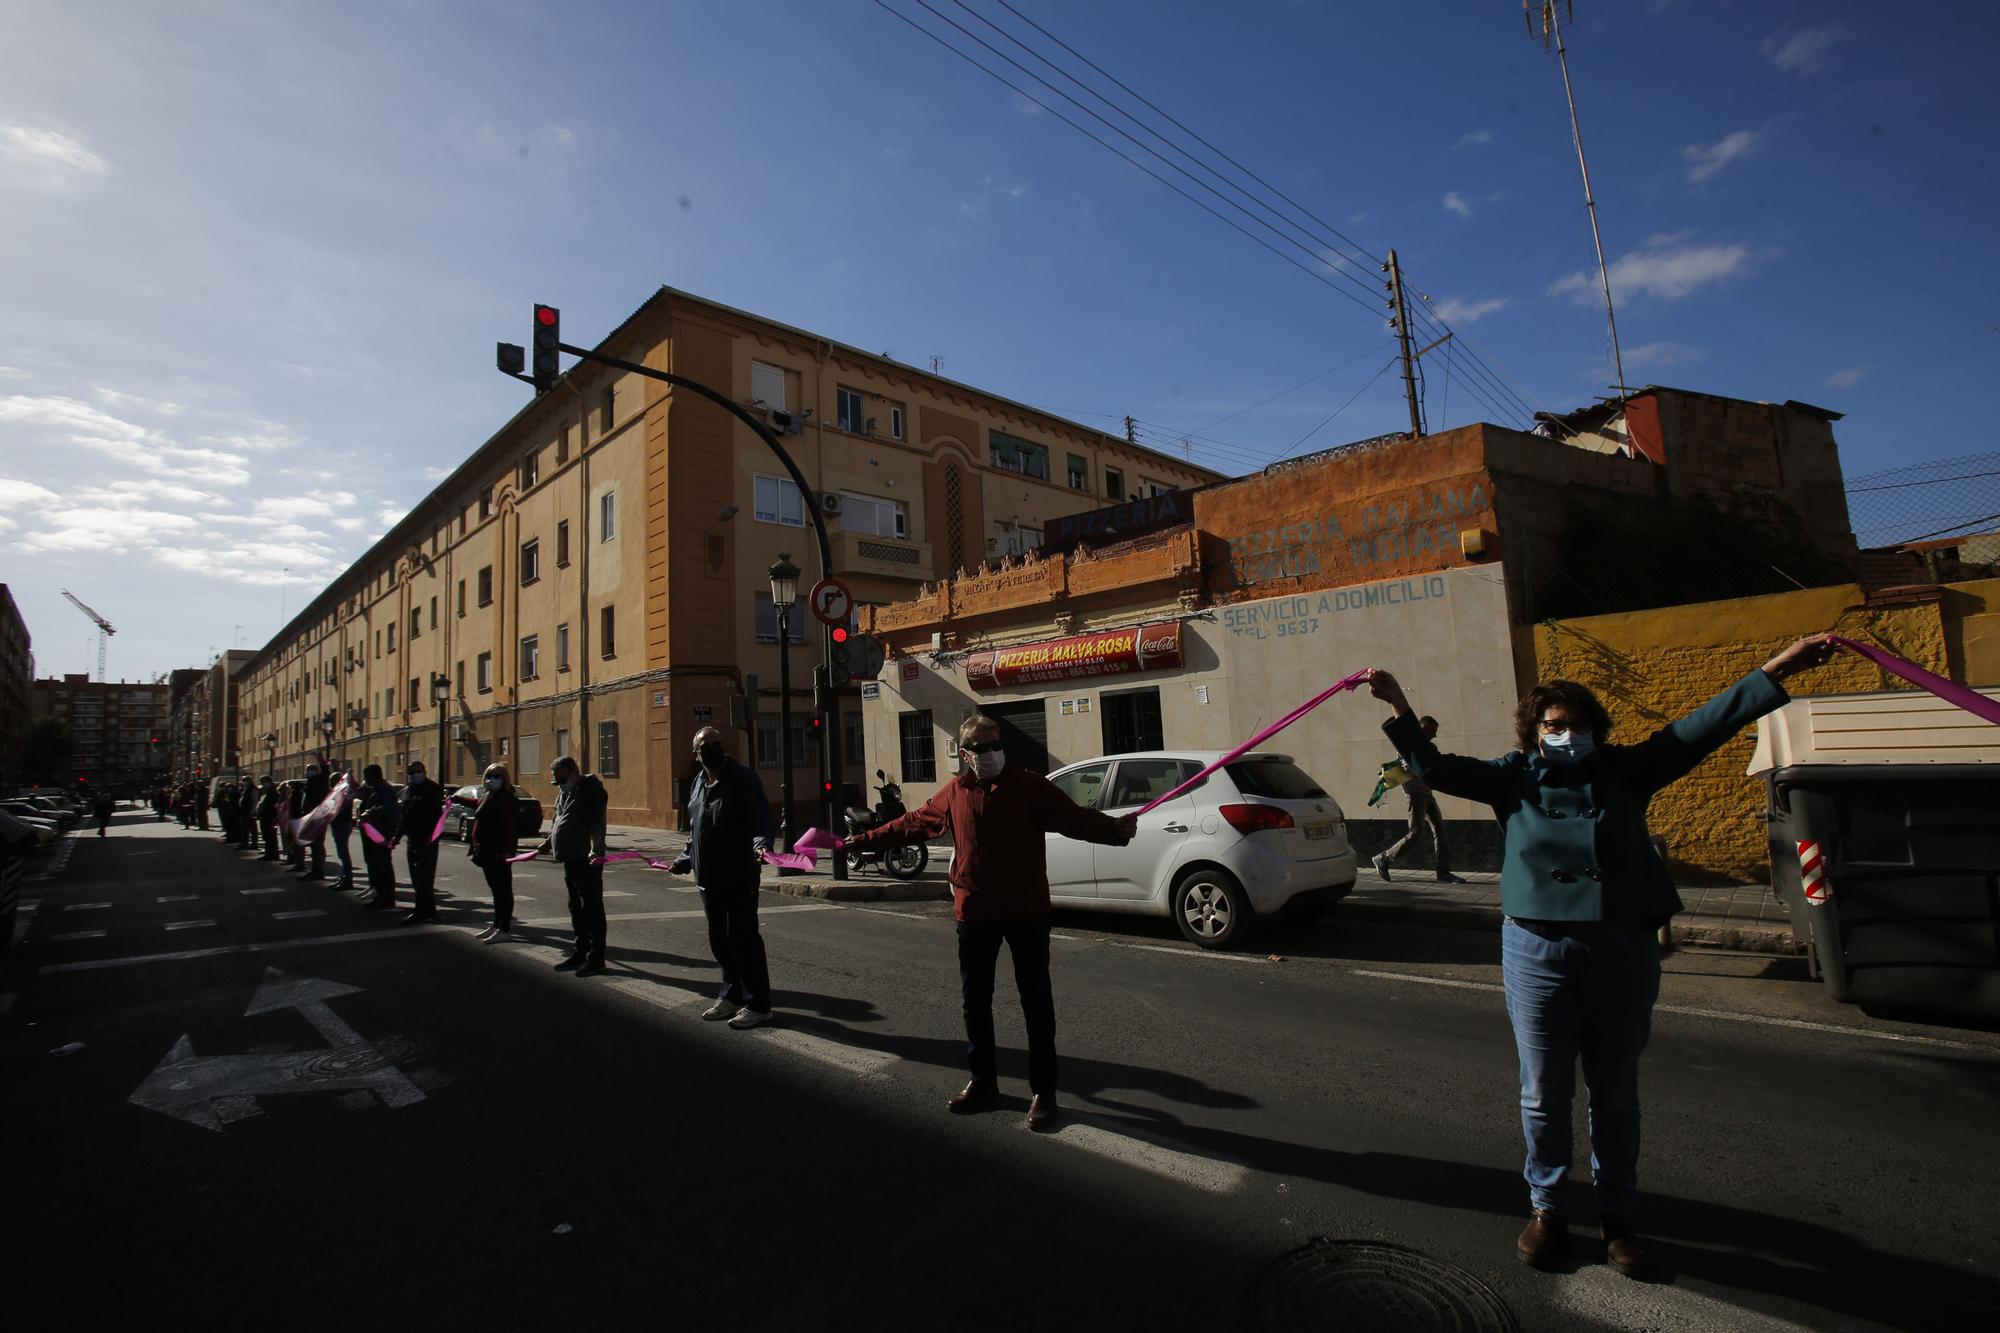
column 830, row 711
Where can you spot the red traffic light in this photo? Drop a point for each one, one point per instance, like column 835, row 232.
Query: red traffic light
column 840, row 634
column 545, row 315
column 826, row 787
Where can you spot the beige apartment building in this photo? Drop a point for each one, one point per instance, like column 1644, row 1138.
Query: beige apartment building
column 593, row 579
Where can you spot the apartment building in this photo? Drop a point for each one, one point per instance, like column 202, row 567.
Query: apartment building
column 593, row 580
column 117, row 729
column 17, row 669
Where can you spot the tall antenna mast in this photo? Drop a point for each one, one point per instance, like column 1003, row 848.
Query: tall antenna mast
column 1552, row 29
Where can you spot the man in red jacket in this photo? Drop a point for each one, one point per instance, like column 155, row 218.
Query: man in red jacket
column 996, row 817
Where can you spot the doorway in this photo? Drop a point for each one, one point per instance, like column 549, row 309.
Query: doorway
column 1025, row 729
column 1131, row 721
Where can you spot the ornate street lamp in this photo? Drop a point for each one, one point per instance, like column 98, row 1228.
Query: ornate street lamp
column 785, row 595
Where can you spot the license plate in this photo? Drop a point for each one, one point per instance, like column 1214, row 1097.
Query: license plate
column 1320, row 829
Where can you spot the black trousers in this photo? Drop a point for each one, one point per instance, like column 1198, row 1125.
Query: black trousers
column 738, row 948
column 381, row 865
column 270, row 840
column 316, row 855
column 585, row 883
column 978, row 955
column 423, row 860
column 500, row 883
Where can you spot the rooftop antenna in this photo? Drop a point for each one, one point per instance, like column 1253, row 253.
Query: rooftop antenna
column 104, row 630
column 1552, row 30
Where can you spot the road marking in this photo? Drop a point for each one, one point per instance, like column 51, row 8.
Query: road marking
column 294, row 916
column 619, row 893
column 142, row 853
column 188, row 925
column 79, row 935
column 248, row 892
column 673, row 916
column 1203, row 1173
column 1690, row 1011
column 177, row 898
column 850, row 1059
column 219, row 950
column 83, row 907
column 1193, row 951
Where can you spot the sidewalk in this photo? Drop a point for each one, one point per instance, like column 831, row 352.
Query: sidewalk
column 1741, row 918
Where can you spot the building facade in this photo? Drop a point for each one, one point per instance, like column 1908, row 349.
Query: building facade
column 17, row 670
column 118, row 730
column 205, row 715
column 593, row 580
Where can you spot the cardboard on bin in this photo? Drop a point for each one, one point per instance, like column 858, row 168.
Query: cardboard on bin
column 1882, row 727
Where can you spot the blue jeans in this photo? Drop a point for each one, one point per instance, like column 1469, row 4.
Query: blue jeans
column 1588, row 996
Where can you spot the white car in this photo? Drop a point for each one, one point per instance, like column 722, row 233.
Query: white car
column 1255, row 838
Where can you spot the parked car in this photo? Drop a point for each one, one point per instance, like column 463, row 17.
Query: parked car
column 458, row 822
column 65, row 815
column 16, row 841
column 1256, row 838
column 25, row 816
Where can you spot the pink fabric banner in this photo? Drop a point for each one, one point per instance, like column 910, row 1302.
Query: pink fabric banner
column 1346, row 683
column 308, row 826
column 818, row 840
column 373, row 834
column 524, row 856
column 610, row 857
column 792, row 860
column 1951, row 692
column 443, row 815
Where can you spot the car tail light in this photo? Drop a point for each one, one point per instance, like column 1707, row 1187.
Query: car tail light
column 1248, row 819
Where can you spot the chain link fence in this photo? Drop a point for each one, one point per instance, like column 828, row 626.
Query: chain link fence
column 1949, row 497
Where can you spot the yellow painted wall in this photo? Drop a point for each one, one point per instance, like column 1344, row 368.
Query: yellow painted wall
column 1651, row 667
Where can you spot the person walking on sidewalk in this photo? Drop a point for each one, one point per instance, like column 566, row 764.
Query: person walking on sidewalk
column 574, row 838
column 729, row 823
column 100, row 806
column 996, row 817
column 1582, row 893
column 380, row 817
column 423, row 806
column 496, row 835
column 1423, row 810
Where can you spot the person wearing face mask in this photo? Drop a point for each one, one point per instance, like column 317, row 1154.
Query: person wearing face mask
column 342, row 829
column 267, row 815
column 315, row 790
column 423, row 804
column 496, row 835
column 996, row 817
column 575, row 837
column 378, row 810
column 729, row 823
column 1582, row 894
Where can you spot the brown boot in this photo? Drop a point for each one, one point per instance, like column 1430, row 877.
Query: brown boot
column 1622, row 1249
column 1545, row 1242
column 974, row 1096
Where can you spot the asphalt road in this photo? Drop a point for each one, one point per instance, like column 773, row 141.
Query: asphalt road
column 291, row 1112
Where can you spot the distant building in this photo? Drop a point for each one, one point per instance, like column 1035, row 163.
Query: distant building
column 205, row 716
column 17, row 669
column 117, row 729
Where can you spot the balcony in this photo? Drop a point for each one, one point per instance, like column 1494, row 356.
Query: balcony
column 882, row 557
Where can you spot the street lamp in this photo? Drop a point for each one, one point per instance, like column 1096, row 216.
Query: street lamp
column 784, row 595
column 441, row 695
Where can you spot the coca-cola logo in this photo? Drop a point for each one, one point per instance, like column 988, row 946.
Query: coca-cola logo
column 1159, row 639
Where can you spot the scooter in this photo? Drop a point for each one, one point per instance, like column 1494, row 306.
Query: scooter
column 900, row 862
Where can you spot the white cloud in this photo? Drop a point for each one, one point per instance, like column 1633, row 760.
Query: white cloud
column 7, row 524
column 132, row 402
column 13, row 492
column 1456, row 311
column 560, row 135
column 143, row 492
column 1662, row 354
column 47, row 159
column 286, row 508
column 110, row 530
column 138, row 447
column 1476, row 139
column 1455, row 202
column 15, row 373
column 1848, row 378
column 1027, row 106
column 1705, row 160
column 350, row 523
column 389, row 515
column 1803, row 50
column 1663, row 268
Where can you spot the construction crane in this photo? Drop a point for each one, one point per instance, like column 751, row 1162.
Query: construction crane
column 104, row 630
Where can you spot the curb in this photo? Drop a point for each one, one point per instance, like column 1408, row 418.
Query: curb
column 862, row 891
column 1688, row 932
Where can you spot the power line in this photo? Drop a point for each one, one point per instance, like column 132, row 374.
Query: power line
column 1296, row 387
column 1479, row 379
column 1328, row 418
column 1476, row 357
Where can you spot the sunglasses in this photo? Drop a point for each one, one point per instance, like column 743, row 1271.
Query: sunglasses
column 983, row 747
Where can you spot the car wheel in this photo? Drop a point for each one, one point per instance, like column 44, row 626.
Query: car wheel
column 1210, row 908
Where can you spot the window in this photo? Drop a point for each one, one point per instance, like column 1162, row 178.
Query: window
column 530, row 757
column 416, row 622
column 767, row 385
column 851, row 410
column 562, row 647
column 389, row 700
column 852, row 741
column 1140, row 780
column 434, row 613
column 607, row 749
column 778, row 501
column 1148, row 488
column 459, row 673
column 1011, row 538
column 562, row 446
column 531, row 471
column 1013, row 455
column 562, row 544
column 562, row 744
column 416, row 691
column 486, row 673
column 486, row 585
column 1114, row 484
column 607, row 631
column 531, row 561
column 378, row 645
column 1083, row 785
column 486, row 503
column 895, row 423
column 767, row 621
column 767, row 743
column 461, row 599
column 531, row 657
column 1079, row 472
column 1130, row 720
column 607, row 516
column 868, row 513
column 607, row 409
column 918, row 750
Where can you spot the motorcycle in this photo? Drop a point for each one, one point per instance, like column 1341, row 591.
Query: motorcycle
column 899, row 862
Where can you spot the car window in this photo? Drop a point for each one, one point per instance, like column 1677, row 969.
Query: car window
column 1274, row 779
column 1083, row 785
column 1140, row 780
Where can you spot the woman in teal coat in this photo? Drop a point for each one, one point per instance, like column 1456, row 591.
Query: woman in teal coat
column 1582, row 893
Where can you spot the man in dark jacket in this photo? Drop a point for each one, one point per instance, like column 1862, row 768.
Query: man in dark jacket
column 246, row 813
column 314, row 791
column 267, row 815
column 291, row 806
column 996, row 817
column 380, row 817
column 729, row 823
column 423, row 806
column 575, row 837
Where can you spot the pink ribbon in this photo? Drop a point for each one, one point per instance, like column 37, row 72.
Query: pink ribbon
column 792, row 860
column 818, row 839
column 308, row 826
column 1346, row 683
column 1950, row 691
column 370, row 832
column 443, row 815
column 524, row 856
column 610, row 857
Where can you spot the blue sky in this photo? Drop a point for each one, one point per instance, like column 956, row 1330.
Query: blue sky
column 257, row 254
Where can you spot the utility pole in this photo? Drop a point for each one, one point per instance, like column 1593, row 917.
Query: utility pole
column 1400, row 305
column 1131, row 433
column 1552, row 28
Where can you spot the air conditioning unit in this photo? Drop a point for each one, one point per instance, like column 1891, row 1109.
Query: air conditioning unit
column 829, row 504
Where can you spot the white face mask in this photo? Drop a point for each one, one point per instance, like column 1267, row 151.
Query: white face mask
column 493, row 784
column 1571, row 745
column 986, row 767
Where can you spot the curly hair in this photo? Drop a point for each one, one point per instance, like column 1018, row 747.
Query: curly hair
column 1581, row 703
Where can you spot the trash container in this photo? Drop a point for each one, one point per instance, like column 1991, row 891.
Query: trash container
column 1884, row 826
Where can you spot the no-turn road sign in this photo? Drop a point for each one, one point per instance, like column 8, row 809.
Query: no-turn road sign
column 831, row 602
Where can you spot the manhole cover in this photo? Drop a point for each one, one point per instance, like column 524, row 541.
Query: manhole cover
column 1358, row 1284
column 360, row 1058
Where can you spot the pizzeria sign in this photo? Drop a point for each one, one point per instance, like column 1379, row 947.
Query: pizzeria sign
column 1109, row 653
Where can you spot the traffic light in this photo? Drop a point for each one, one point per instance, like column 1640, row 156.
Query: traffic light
column 814, row 728
column 743, row 707
column 548, row 340
column 839, row 656
column 512, row 358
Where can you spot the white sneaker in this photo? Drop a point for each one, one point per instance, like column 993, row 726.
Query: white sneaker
column 486, row 936
column 718, row 1011
column 498, row 937
column 750, row 1018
